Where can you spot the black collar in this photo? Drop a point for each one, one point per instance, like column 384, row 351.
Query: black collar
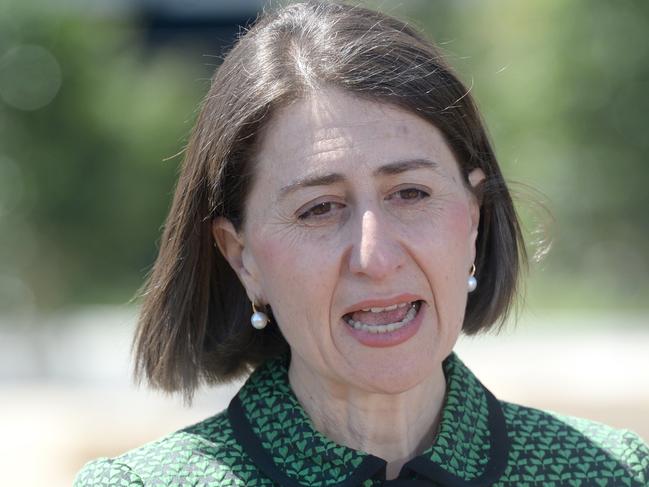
column 470, row 449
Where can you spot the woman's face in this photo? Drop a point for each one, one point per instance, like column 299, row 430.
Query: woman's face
column 358, row 205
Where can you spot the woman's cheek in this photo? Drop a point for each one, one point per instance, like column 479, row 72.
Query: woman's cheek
column 287, row 268
column 455, row 226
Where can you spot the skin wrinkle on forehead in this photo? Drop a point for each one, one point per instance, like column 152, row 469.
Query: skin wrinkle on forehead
column 330, row 132
column 327, row 138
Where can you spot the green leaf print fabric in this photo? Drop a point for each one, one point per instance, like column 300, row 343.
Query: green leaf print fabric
column 265, row 438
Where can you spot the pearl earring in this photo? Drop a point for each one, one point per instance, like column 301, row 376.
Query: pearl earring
column 258, row 320
column 472, row 282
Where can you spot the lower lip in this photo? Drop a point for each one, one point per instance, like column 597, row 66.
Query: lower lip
column 388, row 339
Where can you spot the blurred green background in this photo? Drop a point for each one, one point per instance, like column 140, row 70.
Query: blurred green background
column 94, row 114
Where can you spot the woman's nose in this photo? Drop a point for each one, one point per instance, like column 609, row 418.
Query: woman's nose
column 375, row 251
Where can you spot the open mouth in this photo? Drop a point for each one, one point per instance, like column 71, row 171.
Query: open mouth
column 383, row 320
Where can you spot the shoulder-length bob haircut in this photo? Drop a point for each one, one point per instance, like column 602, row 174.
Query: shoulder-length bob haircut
column 194, row 323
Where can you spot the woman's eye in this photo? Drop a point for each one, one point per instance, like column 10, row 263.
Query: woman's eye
column 320, row 210
column 409, row 194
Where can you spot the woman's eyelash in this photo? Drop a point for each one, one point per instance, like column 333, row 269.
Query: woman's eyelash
column 319, row 210
column 410, row 194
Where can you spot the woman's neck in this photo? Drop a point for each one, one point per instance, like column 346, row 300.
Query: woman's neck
column 394, row 427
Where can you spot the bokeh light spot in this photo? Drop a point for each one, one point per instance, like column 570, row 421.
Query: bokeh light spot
column 30, row 77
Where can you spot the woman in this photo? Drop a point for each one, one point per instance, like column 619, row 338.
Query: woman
column 339, row 187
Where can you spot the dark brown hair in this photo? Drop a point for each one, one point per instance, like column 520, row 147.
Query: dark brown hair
column 194, row 324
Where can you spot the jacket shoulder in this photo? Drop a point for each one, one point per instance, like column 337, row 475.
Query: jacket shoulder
column 568, row 448
column 106, row 472
column 205, row 453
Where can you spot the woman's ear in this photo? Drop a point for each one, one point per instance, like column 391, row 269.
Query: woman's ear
column 476, row 177
column 232, row 246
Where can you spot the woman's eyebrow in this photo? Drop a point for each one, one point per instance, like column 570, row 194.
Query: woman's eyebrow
column 310, row 181
column 328, row 179
column 407, row 165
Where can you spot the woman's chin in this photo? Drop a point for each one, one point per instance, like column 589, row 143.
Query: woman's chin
column 393, row 381
column 391, row 364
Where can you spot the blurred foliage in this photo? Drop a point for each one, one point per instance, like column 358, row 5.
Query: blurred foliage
column 90, row 117
column 84, row 185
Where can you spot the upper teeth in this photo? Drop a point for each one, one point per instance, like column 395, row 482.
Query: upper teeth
column 387, row 308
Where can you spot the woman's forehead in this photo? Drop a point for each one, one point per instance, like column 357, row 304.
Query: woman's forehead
column 331, row 127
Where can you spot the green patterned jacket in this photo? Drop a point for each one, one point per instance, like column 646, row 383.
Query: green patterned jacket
column 266, row 439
